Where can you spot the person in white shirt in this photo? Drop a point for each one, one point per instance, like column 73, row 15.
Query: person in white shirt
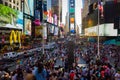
column 117, row 76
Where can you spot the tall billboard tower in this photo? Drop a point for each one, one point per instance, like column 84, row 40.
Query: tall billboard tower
column 72, row 16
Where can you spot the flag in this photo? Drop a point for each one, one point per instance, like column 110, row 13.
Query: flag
column 100, row 7
column 115, row 1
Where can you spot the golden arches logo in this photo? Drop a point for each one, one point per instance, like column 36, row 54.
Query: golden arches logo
column 15, row 36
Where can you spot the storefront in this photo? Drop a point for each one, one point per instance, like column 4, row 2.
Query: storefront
column 10, row 39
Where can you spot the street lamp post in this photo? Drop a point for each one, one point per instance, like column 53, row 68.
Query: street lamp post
column 98, row 53
column 43, row 26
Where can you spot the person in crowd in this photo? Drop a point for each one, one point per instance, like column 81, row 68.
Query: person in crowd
column 42, row 67
column 40, row 72
column 29, row 75
column 117, row 75
column 14, row 75
column 19, row 75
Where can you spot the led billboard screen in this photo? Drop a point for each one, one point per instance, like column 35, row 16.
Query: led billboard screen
column 29, row 9
column 27, row 27
column 10, row 18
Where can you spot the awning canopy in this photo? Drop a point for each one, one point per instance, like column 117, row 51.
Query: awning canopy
column 112, row 42
column 12, row 26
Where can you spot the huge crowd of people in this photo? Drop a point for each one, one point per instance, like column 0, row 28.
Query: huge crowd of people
column 105, row 67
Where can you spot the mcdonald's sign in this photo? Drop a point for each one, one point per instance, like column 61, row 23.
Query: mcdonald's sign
column 15, row 37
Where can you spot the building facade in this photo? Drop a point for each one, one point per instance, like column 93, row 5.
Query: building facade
column 105, row 15
column 15, row 4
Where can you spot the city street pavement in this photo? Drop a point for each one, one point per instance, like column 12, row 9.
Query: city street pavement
column 81, row 62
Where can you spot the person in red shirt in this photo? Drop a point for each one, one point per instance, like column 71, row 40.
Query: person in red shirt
column 103, row 74
column 72, row 74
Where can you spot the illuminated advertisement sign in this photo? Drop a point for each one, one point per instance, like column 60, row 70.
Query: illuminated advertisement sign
column 50, row 28
column 55, row 19
column 45, row 32
column 72, row 6
column 72, row 15
column 45, row 9
column 56, row 31
column 72, row 29
column 10, row 18
column 29, row 9
column 37, row 14
column 38, row 31
column 27, row 27
column 15, row 37
column 104, row 30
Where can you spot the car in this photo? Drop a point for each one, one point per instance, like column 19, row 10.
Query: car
column 9, row 55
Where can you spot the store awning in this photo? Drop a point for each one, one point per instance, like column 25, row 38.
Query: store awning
column 112, row 42
column 11, row 26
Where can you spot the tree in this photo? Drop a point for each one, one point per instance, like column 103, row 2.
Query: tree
column 6, row 14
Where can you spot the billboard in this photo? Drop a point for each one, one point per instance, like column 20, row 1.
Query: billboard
column 28, row 26
column 10, row 18
column 72, row 6
column 37, row 14
column 104, row 30
column 55, row 19
column 45, row 32
column 56, row 31
column 50, row 28
column 44, row 9
column 72, row 28
column 29, row 9
column 38, row 31
column 15, row 36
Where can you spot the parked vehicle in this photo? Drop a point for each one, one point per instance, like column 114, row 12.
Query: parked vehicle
column 9, row 55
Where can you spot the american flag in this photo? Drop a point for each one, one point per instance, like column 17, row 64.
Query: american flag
column 115, row 1
column 100, row 7
column 49, row 15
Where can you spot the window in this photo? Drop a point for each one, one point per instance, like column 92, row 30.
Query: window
column 17, row 3
column 17, row 8
column 6, row 4
column 14, row 1
column 13, row 7
column 10, row 5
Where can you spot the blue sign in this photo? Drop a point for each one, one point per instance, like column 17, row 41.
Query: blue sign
column 72, row 3
column 72, row 31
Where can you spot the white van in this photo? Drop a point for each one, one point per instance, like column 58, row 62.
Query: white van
column 10, row 55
